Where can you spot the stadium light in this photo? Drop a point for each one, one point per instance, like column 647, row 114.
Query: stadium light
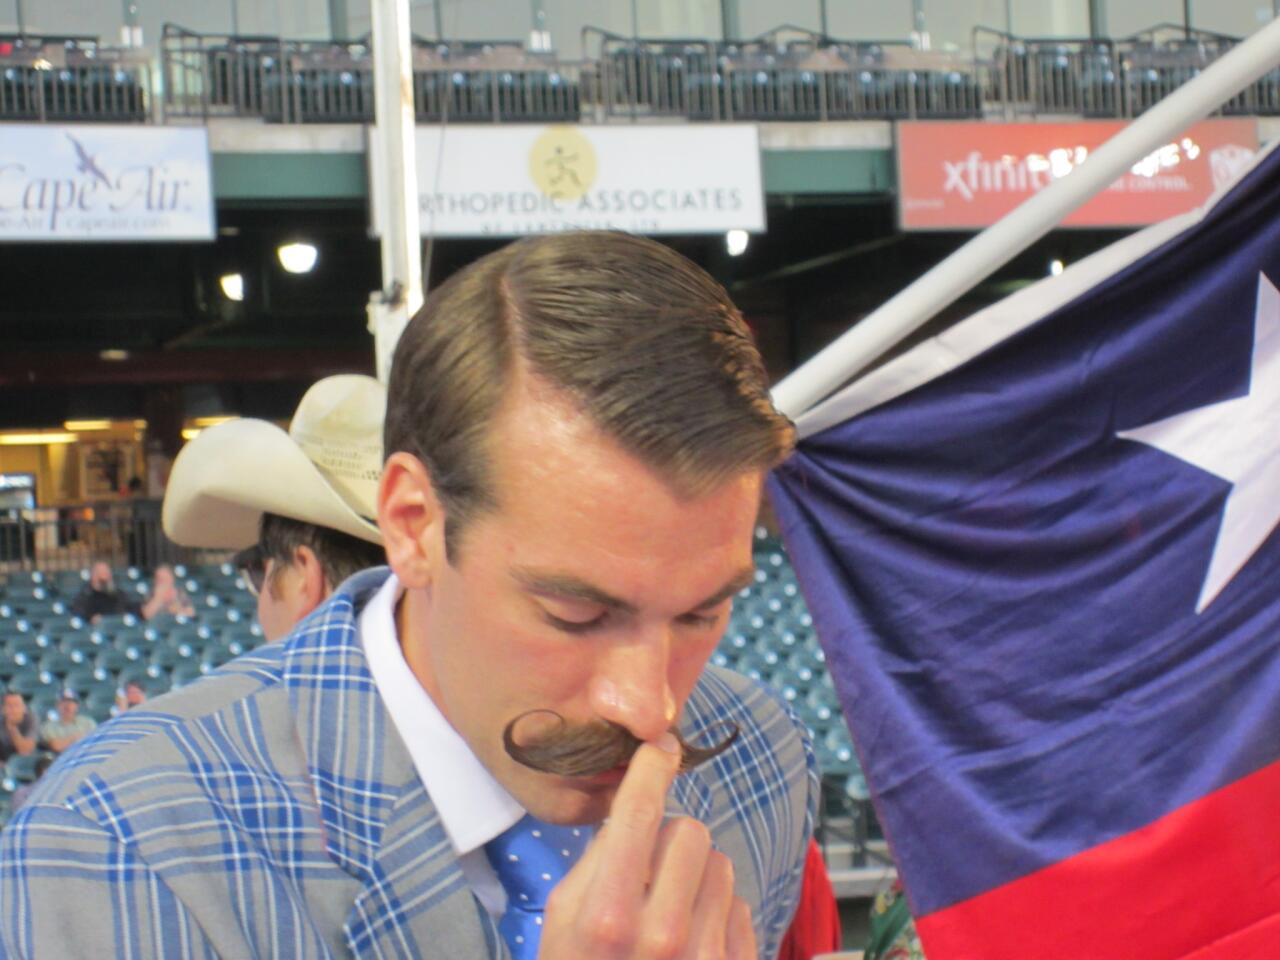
column 297, row 257
column 735, row 241
column 232, row 286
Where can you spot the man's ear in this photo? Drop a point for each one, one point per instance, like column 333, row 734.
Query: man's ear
column 411, row 520
column 311, row 584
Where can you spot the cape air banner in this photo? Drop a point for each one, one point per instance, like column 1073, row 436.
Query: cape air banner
column 1040, row 552
column 105, row 182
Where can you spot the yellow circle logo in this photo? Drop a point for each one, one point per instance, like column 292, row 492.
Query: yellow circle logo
column 562, row 163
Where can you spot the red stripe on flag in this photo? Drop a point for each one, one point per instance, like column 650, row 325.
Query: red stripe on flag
column 1201, row 883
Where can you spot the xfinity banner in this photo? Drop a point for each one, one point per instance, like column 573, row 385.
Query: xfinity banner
column 511, row 180
column 969, row 175
column 91, row 182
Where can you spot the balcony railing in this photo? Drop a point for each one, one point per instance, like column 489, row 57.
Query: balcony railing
column 72, row 78
column 788, row 74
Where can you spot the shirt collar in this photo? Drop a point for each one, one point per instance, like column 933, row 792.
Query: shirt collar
column 474, row 808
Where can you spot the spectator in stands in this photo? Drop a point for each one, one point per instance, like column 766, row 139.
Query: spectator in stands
column 579, row 426
column 130, row 695
column 43, row 763
column 166, row 597
column 19, row 732
column 71, row 725
column 100, row 598
column 297, row 505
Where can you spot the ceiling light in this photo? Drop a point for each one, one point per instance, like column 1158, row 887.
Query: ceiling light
column 33, row 439
column 735, row 241
column 214, row 420
column 1056, row 267
column 74, row 425
column 232, row 286
column 113, row 355
column 297, row 257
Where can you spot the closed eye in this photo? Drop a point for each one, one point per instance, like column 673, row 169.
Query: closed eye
column 701, row 621
column 575, row 626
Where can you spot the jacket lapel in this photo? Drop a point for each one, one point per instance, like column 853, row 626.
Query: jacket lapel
column 380, row 825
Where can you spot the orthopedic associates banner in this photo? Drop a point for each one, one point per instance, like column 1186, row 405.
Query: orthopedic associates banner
column 516, row 179
column 1040, row 552
column 101, row 182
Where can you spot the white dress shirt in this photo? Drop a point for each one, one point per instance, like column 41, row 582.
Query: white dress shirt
column 474, row 808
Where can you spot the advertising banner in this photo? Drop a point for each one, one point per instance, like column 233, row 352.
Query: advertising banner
column 965, row 176
column 512, row 180
column 100, row 182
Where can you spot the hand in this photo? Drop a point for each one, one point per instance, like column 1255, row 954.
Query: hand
column 648, row 891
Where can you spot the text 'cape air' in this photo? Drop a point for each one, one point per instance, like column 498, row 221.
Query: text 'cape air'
column 1040, row 551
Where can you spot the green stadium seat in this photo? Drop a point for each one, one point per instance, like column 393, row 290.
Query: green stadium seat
column 185, row 673
column 81, row 679
column 21, row 768
column 111, row 661
column 27, row 644
column 167, row 657
column 140, row 672
column 26, row 681
column 100, row 702
column 216, row 654
column 55, row 664
column 43, row 703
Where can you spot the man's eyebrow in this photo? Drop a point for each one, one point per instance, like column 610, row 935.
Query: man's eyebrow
column 563, row 585
column 744, row 578
column 571, row 588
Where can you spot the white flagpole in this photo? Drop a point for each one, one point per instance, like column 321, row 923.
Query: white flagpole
column 941, row 286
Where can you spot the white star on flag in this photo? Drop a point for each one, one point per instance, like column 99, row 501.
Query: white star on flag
column 1239, row 441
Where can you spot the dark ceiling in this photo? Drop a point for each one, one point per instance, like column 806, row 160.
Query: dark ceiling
column 820, row 266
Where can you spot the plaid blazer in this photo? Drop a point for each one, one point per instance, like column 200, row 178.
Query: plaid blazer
column 271, row 810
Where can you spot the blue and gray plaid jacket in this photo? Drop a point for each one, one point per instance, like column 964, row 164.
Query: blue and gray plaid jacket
column 271, row 810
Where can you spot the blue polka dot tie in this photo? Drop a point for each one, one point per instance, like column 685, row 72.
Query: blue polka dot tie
column 530, row 859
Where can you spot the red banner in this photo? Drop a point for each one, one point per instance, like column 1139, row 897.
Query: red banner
column 958, row 176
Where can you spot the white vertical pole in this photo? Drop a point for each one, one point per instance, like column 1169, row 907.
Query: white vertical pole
column 394, row 180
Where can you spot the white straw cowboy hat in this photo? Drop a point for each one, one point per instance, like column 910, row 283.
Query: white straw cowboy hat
column 324, row 471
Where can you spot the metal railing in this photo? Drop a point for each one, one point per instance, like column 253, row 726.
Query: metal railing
column 125, row 533
column 787, row 74
column 1095, row 78
column 494, row 82
column 71, row 79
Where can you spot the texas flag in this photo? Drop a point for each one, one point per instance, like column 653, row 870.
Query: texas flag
column 1041, row 553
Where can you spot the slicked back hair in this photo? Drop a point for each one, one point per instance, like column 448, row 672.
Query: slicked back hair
column 644, row 341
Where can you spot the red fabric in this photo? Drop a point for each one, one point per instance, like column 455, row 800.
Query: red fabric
column 815, row 928
column 1200, row 883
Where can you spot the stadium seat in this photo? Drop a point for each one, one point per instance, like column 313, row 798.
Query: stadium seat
column 185, row 673
column 21, row 768
column 43, row 704
column 26, row 681
column 80, row 679
column 54, row 665
column 111, row 661
column 26, row 644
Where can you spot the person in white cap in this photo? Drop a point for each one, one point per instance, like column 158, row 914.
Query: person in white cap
column 298, row 505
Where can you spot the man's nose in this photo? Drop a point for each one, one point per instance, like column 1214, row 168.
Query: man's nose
column 632, row 685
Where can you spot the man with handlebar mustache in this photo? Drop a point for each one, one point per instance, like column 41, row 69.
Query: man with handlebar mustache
column 578, row 428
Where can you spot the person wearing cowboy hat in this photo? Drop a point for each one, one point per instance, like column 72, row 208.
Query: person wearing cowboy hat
column 298, row 505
